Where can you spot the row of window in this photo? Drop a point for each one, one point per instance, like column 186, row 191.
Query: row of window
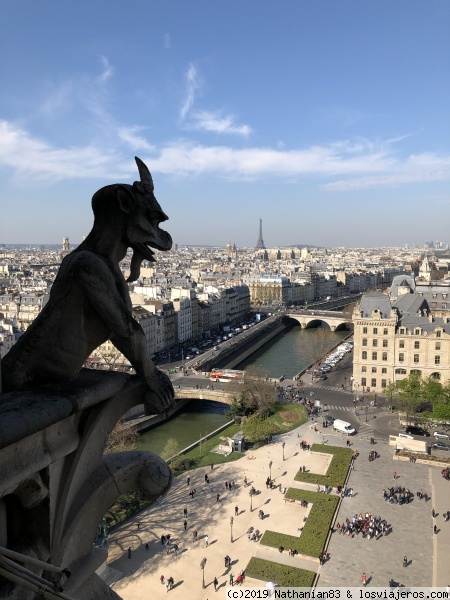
column 373, row 382
column 401, row 357
column 401, row 344
column 402, row 331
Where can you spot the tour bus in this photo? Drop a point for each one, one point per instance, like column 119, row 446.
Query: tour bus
column 226, row 375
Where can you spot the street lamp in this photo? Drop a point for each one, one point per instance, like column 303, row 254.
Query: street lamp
column 283, row 445
column 231, row 527
column 202, row 566
column 366, row 408
column 251, row 500
column 270, row 470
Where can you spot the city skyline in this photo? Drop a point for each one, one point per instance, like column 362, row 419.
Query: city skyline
column 328, row 121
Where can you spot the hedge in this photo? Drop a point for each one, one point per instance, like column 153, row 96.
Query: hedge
column 282, row 575
column 313, row 537
column 337, row 471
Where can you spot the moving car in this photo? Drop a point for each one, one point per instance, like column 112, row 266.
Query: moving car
column 415, row 430
column 440, row 435
column 440, row 446
column 343, row 427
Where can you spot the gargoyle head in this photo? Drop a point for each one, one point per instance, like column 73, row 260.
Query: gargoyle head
column 142, row 216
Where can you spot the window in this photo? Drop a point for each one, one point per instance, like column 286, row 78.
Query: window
column 374, row 356
column 438, row 334
column 385, row 343
column 374, row 383
column 402, row 330
column 384, row 370
column 437, row 359
column 374, row 343
column 364, row 355
column 384, row 356
column 401, row 344
column 364, row 329
column 374, row 369
column 363, row 381
column 383, row 383
column 401, row 357
column 375, row 331
column 363, row 369
column 364, row 342
column 416, row 345
column 416, row 358
column 437, row 346
column 400, row 371
column 417, row 331
column 385, row 331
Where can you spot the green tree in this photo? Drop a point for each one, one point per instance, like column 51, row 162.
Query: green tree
column 257, row 429
column 170, row 449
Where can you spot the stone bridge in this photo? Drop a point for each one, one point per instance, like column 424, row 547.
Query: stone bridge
column 192, row 393
column 313, row 318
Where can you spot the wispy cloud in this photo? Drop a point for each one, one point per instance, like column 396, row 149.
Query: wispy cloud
column 338, row 166
column 192, row 86
column 136, row 142
column 107, row 72
column 215, row 122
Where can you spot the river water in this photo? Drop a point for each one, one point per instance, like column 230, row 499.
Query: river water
column 283, row 355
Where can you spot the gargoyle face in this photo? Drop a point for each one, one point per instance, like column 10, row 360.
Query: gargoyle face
column 144, row 216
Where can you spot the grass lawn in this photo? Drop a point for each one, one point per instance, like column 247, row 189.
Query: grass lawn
column 337, row 471
column 288, row 416
column 282, row 575
column 312, row 539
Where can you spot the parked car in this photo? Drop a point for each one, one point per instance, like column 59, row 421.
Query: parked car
column 329, row 419
column 322, row 377
column 440, row 446
column 440, row 435
column 415, row 430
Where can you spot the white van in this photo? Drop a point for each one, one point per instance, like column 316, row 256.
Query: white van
column 343, row 427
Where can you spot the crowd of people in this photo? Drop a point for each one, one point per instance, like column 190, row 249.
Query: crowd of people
column 368, row 525
column 399, row 495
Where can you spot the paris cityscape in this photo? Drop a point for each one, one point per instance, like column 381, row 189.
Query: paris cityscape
column 224, row 300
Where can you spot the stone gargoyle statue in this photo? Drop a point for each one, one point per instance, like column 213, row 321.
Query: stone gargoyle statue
column 89, row 301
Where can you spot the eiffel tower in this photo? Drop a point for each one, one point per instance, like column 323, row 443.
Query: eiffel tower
column 260, row 242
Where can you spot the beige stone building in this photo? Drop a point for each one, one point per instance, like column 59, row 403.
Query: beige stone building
column 396, row 337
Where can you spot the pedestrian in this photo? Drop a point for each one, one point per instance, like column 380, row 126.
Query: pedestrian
column 435, row 529
column 175, row 549
column 364, row 580
column 129, row 552
column 194, row 535
column 212, row 467
column 395, row 474
column 433, row 513
column 231, row 579
column 348, row 443
column 185, row 525
column 216, row 583
column 163, row 540
column 188, row 480
column 162, row 579
column 185, row 512
column 218, row 498
column 146, row 546
column 245, row 480
column 206, row 541
column 405, row 562
column 138, row 525
column 226, row 485
column 236, row 511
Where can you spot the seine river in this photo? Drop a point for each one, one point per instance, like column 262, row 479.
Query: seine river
column 283, row 355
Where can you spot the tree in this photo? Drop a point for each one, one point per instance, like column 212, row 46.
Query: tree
column 122, row 437
column 170, row 449
column 256, row 394
column 317, row 344
column 257, row 429
column 410, row 394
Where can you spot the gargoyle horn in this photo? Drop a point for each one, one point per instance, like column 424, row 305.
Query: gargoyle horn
column 144, row 173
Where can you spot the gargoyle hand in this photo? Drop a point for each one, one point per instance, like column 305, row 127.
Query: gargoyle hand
column 160, row 395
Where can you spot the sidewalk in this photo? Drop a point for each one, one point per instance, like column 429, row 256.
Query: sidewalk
column 412, row 524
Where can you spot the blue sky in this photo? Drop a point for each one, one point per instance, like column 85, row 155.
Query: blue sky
column 329, row 119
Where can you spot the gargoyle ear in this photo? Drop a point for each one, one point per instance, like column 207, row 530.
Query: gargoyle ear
column 125, row 199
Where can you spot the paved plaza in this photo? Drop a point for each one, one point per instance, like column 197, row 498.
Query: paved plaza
column 412, row 524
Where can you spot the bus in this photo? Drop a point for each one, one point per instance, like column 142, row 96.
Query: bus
column 226, row 375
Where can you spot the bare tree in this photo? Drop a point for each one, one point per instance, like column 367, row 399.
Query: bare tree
column 256, row 393
column 122, row 437
column 317, row 344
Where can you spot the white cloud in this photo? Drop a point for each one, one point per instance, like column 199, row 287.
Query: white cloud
column 338, row 166
column 209, row 121
column 108, row 71
column 192, row 85
column 136, row 142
